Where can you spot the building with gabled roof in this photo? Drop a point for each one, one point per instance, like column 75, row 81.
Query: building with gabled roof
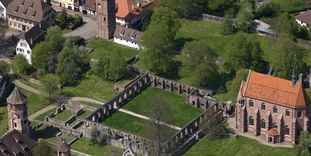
column 304, row 18
column 273, row 107
column 127, row 13
column 127, row 36
column 24, row 14
column 3, row 7
column 13, row 143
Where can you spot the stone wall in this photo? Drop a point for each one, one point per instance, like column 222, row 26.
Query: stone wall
column 212, row 18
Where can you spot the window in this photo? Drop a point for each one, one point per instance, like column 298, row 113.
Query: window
column 263, row 123
column 28, row 52
column 15, row 125
column 299, row 113
column 263, row 106
column 275, row 110
column 287, row 112
column 286, row 130
column 274, row 125
column 251, row 120
column 251, row 103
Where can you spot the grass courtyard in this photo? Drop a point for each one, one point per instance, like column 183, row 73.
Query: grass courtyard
column 134, row 125
column 181, row 112
column 64, row 115
column 84, row 146
column 239, row 146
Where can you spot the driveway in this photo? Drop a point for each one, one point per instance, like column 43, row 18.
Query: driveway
column 87, row 30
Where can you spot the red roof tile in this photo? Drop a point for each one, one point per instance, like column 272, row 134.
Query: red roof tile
column 273, row 132
column 305, row 17
column 275, row 90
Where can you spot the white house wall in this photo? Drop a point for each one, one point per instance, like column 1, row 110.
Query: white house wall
column 2, row 11
column 302, row 24
column 24, row 49
column 126, row 43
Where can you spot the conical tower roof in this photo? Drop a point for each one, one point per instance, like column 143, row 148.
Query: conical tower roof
column 63, row 147
column 16, row 97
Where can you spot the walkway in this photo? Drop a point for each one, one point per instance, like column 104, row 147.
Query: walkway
column 42, row 111
column 147, row 118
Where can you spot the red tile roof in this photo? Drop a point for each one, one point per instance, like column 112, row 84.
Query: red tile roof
column 123, row 7
column 273, row 132
column 305, row 17
column 275, row 90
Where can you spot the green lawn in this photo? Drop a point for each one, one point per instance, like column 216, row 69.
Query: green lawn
column 181, row 112
column 236, row 147
column 42, row 116
column 82, row 145
column 84, row 114
column 65, row 115
column 35, row 102
column 3, row 119
column 93, row 87
column 134, row 125
column 102, row 47
column 289, row 5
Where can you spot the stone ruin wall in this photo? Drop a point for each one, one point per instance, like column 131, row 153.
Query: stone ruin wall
column 121, row 139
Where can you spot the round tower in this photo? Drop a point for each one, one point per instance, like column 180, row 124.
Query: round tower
column 17, row 112
column 63, row 149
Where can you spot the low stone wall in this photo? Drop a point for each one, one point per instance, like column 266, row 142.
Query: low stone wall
column 121, row 139
column 212, row 18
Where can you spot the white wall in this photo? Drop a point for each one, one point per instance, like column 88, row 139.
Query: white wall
column 2, row 11
column 24, row 49
column 301, row 23
column 126, row 43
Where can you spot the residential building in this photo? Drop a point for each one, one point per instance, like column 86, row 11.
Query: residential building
column 24, row 14
column 127, row 36
column 127, row 13
column 28, row 40
column 68, row 4
column 13, row 143
column 106, row 18
column 86, row 7
column 272, row 107
column 3, row 7
column 304, row 18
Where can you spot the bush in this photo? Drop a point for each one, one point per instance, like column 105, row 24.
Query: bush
column 65, row 21
column 268, row 10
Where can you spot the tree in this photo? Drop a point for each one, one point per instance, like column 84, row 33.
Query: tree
column 287, row 27
column 98, row 136
column 20, row 66
column 51, row 84
column 4, row 67
column 72, row 63
column 40, row 55
column 145, row 18
column 61, row 19
column 269, row 9
column 43, row 149
column 228, row 27
column 184, row 8
column 243, row 53
column 288, row 56
column 199, row 67
column 55, row 38
column 159, row 111
column 219, row 7
column 212, row 124
column 303, row 148
column 158, row 41
column 110, row 67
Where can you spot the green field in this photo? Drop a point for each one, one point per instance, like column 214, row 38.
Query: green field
column 65, row 115
column 3, row 119
column 103, row 47
column 290, row 5
column 134, row 125
column 240, row 146
column 181, row 112
column 35, row 102
column 82, row 145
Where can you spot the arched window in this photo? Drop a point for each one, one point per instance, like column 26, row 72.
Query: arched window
column 263, row 106
column 287, row 112
column 274, row 125
column 286, row 130
column 299, row 114
column 251, row 103
column 263, row 123
column 250, row 120
column 275, row 110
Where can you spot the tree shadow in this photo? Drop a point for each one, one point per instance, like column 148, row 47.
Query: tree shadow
column 180, row 42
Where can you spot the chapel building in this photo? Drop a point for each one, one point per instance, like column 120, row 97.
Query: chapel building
column 272, row 107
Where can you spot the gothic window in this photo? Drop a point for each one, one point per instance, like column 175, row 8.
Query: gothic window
column 275, row 110
column 286, row 130
column 15, row 125
column 287, row 112
column 263, row 123
column 251, row 103
column 251, row 120
column 263, row 106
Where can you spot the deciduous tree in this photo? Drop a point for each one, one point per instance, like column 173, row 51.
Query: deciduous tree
column 4, row 67
column 40, row 55
column 51, row 84
column 20, row 66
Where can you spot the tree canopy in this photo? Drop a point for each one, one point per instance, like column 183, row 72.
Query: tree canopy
column 20, row 66
column 55, row 38
column 199, row 67
column 4, row 67
column 158, row 40
column 40, row 55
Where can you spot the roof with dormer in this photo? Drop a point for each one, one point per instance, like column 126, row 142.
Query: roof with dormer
column 275, row 90
column 16, row 97
column 15, row 143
